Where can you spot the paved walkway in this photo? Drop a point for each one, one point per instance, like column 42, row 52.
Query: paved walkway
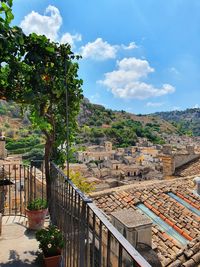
column 18, row 246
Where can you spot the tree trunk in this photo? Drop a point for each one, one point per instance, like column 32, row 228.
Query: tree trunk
column 47, row 156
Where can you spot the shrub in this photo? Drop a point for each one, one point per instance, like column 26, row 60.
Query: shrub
column 51, row 241
column 37, row 204
column 81, row 182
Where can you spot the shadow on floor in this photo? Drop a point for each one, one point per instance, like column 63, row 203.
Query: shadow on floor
column 30, row 233
column 15, row 261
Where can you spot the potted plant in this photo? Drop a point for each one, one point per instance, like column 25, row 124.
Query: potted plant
column 51, row 242
column 36, row 212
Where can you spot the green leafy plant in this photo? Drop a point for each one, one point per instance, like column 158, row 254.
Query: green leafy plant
column 35, row 72
column 51, row 241
column 81, row 182
column 37, row 204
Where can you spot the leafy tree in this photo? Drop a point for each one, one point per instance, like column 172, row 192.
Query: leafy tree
column 81, row 182
column 35, row 72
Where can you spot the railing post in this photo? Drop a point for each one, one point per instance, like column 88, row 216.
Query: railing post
column 80, row 225
column 31, row 181
column 82, row 236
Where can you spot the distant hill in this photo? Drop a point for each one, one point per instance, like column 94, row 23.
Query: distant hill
column 98, row 124
column 186, row 121
column 21, row 138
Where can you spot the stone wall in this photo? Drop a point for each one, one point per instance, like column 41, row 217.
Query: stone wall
column 173, row 161
column 3, row 151
column 180, row 160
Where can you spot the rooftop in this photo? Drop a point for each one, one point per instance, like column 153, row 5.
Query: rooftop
column 154, row 195
column 127, row 218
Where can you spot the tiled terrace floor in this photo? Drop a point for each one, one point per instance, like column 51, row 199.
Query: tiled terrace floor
column 18, row 246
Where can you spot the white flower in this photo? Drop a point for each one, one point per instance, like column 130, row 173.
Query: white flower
column 49, row 245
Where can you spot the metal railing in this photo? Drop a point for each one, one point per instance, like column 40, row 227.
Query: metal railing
column 91, row 240
column 20, row 185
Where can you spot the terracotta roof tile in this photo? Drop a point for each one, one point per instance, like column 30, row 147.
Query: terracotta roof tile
column 173, row 213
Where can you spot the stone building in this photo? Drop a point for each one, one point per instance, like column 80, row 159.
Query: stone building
column 175, row 159
column 96, row 153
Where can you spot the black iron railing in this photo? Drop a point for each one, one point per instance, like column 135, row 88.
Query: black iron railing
column 90, row 239
column 26, row 184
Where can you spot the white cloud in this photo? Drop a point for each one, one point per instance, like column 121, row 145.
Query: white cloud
column 154, row 104
column 71, row 39
column 102, row 50
column 126, row 82
column 131, row 46
column 47, row 24
column 99, row 50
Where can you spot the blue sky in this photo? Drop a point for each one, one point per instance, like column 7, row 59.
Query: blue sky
column 140, row 56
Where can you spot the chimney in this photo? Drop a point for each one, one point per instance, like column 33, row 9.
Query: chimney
column 134, row 226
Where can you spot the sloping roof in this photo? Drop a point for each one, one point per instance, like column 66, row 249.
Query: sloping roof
column 188, row 256
column 155, row 197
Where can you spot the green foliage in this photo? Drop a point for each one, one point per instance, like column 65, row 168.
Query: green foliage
column 81, row 182
column 37, row 204
column 51, row 241
column 122, row 133
column 3, row 110
column 34, row 154
column 30, row 147
column 187, row 121
column 25, row 142
column 119, row 127
column 9, row 109
column 34, row 73
column 95, row 115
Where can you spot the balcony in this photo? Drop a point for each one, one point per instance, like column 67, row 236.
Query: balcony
column 90, row 239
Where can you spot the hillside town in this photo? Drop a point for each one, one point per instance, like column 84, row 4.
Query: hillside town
column 158, row 182
column 108, row 167
column 99, row 133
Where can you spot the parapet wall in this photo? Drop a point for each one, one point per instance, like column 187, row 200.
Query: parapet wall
column 180, row 160
column 172, row 162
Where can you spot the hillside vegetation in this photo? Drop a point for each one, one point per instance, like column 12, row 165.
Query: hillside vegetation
column 96, row 125
column 186, row 121
column 21, row 138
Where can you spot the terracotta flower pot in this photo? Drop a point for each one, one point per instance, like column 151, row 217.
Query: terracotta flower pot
column 36, row 218
column 53, row 261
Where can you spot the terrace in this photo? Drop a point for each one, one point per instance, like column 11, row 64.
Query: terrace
column 90, row 239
